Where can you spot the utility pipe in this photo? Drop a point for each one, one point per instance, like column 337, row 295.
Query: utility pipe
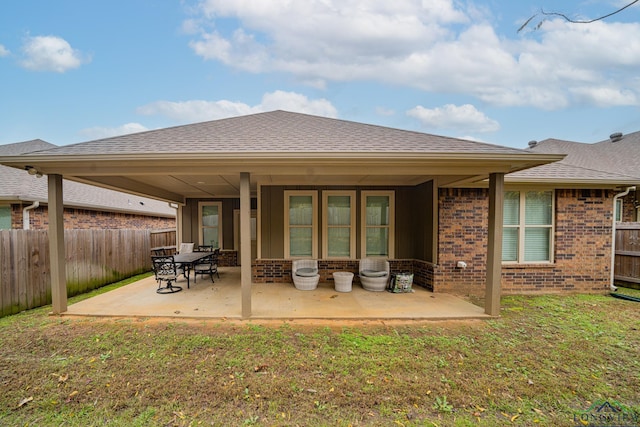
column 25, row 214
column 613, row 235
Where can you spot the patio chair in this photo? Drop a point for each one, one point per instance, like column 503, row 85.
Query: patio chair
column 304, row 273
column 186, row 248
column 374, row 274
column 204, row 248
column 208, row 266
column 165, row 270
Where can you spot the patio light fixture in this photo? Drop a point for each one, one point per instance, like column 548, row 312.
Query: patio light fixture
column 33, row 171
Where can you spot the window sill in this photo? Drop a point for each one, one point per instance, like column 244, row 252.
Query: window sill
column 528, row 265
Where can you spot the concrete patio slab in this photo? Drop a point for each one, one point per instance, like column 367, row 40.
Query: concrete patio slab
column 222, row 299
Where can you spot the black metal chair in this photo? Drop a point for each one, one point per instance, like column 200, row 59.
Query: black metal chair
column 208, row 266
column 165, row 270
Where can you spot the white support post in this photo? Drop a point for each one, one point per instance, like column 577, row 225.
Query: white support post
column 494, row 245
column 56, row 245
column 245, row 243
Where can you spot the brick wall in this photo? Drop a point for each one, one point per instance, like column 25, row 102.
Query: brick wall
column 582, row 245
column 279, row 270
column 582, row 252
column 462, row 229
column 228, row 258
column 629, row 211
column 423, row 273
column 86, row 219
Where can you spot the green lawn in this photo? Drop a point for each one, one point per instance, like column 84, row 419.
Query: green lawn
column 545, row 362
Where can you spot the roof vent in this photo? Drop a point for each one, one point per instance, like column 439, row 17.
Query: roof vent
column 533, row 144
column 615, row 137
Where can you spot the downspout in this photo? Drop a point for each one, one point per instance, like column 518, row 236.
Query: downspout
column 613, row 235
column 25, row 214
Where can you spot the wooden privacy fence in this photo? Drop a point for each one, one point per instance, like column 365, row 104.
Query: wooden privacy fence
column 93, row 258
column 164, row 239
column 627, row 259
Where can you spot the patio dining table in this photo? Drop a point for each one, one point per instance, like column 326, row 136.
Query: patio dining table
column 188, row 260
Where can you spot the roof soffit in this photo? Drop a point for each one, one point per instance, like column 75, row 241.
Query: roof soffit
column 280, row 163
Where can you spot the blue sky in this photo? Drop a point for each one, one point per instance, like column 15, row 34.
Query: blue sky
column 77, row 70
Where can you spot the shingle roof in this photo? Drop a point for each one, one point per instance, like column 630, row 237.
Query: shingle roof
column 16, row 184
column 604, row 161
column 622, row 156
column 279, row 132
column 25, row 147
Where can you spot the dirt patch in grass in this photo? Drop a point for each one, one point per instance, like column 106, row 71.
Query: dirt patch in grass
column 544, row 362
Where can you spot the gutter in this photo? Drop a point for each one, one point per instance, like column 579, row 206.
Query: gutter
column 25, row 214
column 613, row 235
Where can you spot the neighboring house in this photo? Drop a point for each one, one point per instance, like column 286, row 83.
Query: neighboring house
column 607, row 160
column 464, row 217
column 23, row 201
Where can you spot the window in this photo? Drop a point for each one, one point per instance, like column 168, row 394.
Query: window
column 300, row 224
column 210, row 220
column 528, row 226
column 5, row 217
column 378, row 213
column 619, row 210
column 338, row 224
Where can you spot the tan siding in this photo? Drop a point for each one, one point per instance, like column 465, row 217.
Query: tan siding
column 272, row 222
column 423, row 227
column 414, row 220
column 228, row 205
column 189, row 222
column 407, row 214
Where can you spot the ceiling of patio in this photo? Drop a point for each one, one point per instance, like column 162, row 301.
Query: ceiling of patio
column 204, row 186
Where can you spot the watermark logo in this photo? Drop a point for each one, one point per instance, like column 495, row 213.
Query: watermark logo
column 607, row 413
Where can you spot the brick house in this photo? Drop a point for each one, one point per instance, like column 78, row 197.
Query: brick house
column 464, row 217
column 586, row 194
column 23, row 198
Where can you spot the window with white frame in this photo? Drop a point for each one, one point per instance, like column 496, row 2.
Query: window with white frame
column 619, row 210
column 210, row 223
column 528, row 226
column 378, row 217
column 300, row 224
column 338, row 224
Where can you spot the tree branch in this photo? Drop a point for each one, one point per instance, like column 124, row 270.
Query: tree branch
column 573, row 21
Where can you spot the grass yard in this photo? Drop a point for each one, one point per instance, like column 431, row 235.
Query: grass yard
column 545, row 362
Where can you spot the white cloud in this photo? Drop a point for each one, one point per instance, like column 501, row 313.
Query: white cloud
column 195, row 110
column 604, row 96
column 3, row 51
column 463, row 118
column 442, row 46
column 50, row 53
column 290, row 101
column 103, row 132
column 199, row 110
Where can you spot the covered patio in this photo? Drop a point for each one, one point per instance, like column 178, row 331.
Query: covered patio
column 269, row 186
column 275, row 301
